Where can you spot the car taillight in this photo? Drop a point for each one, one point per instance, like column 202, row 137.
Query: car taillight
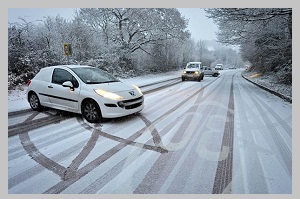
column 28, row 83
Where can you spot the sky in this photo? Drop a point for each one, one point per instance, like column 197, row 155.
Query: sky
column 32, row 14
column 200, row 26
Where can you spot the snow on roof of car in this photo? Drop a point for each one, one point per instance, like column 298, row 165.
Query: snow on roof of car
column 68, row 66
column 195, row 62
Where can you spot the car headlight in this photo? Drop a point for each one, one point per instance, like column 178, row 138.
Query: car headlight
column 197, row 72
column 183, row 72
column 108, row 95
column 138, row 89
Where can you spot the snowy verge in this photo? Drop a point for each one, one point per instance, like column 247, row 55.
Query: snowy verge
column 269, row 83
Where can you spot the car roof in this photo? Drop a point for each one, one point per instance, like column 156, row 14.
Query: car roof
column 68, row 66
column 194, row 62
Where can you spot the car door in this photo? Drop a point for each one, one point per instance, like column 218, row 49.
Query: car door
column 61, row 97
column 208, row 71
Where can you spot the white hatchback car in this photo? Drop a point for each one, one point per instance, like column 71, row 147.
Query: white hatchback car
column 86, row 90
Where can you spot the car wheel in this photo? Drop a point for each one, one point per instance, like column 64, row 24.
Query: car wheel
column 183, row 79
column 91, row 112
column 34, row 102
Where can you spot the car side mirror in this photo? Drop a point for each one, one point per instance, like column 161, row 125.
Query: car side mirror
column 68, row 84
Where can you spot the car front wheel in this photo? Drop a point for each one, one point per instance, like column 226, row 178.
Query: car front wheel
column 34, row 102
column 91, row 112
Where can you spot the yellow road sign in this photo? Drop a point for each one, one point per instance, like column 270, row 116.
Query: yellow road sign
column 67, row 49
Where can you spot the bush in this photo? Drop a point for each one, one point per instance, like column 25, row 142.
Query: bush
column 15, row 81
column 285, row 74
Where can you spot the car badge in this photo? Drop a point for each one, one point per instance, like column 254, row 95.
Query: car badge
column 132, row 93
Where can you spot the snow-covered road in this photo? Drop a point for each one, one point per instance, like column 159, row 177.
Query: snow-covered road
column 220, row 135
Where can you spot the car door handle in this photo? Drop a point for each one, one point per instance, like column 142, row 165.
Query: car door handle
column 50, row 86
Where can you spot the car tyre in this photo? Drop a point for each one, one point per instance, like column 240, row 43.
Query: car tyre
column 34, row 102
column 91, row 111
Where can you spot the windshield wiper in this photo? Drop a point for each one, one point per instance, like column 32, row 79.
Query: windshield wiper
column 95, row 82
column 111, row 81
column 102, row 82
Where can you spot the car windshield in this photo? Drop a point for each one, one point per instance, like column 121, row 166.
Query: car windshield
column 90, row 75
column 192, row 66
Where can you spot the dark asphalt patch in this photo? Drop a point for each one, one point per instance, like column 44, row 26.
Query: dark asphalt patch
column 223, row 176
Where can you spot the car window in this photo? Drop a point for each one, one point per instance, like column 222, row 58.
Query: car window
column 60, row 76
column 90, row 75
column 192, row 66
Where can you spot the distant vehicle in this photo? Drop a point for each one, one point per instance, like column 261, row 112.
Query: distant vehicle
column 247, row 67
column 86, row 90
column 219, row 67
column 193, row 70
column 232, row 67
column 211, row 71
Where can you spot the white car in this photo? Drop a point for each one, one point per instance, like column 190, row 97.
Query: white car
column 193, row 70
column 86, row 90
column 211, row 71
column 219, row 67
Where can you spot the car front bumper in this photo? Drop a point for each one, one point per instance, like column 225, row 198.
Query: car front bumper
column 122, row 108
column 191, row 75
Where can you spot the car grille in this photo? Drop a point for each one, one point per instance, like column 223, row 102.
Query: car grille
column 190, row 72
column 131, row 104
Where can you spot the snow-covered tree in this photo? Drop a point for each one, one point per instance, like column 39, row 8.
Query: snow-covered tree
column 264, row 35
